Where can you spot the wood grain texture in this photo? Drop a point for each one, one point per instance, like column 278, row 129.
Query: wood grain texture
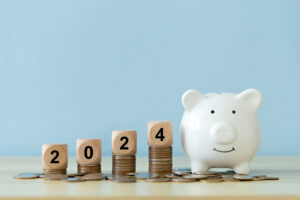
column 55, row 156
column 88, row 151
column 158, row 129
column 124, row 142
column 286, row 168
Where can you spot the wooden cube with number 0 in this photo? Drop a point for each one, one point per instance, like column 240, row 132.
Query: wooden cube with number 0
column 88, row 151
column 55, row 156
column 160, row 133
column 124, row 142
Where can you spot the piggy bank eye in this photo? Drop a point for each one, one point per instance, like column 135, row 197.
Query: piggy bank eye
column 233, row 112
column 212, row 111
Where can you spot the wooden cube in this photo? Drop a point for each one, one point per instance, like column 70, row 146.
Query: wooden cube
column 160, row 133
column 88, row 151
column 123, row 142
column 55, row 156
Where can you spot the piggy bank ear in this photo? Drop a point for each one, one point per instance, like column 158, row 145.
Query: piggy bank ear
column 190, row 98
column 253, row 97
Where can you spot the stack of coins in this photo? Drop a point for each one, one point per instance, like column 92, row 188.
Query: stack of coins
column 123, row 165
column 124, row 150
column 160, row 140
column 160, row 160
column 88, row 156
column 88, row 169
column 55, row 161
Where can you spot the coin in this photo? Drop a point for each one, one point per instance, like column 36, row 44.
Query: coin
column 242, row 177
column 27, row 176
column 270, row 178
column 181, row 173
column 171, row 176
column 230, row 179
column 55, row 171
column 54, row 176
column 93, row 177
column 88, row 169
column 73, row 179
column 258, row 179
column 160, row 160
column 183, row 180
column 258, row 176
column 123, row 180
column 158, row 179
column 75, row 174
column 206, row 173
column 195, row 176
column 123, row 164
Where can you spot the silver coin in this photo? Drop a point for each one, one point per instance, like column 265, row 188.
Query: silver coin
column 195, row 176
column 26, row 176
column 242, row 177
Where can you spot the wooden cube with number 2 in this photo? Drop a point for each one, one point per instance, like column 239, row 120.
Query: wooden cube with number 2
column 88, row 151
column 123, row 142
column 160, row 133
column 55, row 156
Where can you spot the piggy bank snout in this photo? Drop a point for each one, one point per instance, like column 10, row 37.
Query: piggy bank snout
column 223, row 133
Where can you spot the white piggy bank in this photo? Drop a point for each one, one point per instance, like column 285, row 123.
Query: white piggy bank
column 220, row 130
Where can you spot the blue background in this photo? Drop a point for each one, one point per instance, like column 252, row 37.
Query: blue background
column 73, row 69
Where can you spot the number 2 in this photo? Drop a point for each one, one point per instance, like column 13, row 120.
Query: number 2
column 160, row 134
column 55, row 157
column 123, row 147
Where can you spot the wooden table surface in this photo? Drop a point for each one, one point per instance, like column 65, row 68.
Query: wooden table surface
column 287, row 168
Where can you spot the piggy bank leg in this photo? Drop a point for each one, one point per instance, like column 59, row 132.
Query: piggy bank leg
column 243, row 168
column 197, row 167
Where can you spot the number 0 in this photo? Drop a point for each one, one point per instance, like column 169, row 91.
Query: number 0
column 91, row 152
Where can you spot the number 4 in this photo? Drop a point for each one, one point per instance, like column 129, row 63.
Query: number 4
column 160, row 134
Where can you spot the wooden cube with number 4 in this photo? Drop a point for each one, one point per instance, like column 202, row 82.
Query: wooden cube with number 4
column 160, row 133
column 55, row 156
column 88, row 151
column 123, row 142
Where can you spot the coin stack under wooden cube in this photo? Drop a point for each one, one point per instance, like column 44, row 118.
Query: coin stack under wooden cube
column 88, row 156
column 160, row 140
column 123, row 150
column 54, row 161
